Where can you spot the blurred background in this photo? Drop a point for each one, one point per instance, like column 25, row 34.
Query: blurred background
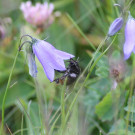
column 33, row 106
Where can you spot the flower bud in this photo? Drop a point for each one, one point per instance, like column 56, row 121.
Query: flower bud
column 115, row 26
column 31, row 62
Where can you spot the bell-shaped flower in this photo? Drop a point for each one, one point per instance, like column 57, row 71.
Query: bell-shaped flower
column 115, row 26
column 129, row 45
column 50, row 58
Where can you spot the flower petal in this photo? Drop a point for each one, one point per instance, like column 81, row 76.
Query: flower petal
column 63, row 55
column 134, row 50
column 129, row 37
column 115, row 26
column 127, row 49
column 126, row 56
column 32, row 64
column 48, row 53
column 49, row 71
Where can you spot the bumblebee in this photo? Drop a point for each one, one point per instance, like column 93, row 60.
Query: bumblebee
column 71, row 73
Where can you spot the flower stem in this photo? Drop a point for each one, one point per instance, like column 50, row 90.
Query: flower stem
column 88, row 75
column 5, row 94
column 131, row 90
column 77, row 27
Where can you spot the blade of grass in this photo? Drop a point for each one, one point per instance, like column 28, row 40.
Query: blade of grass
column 63, row 107
column 130, row 95
column 22, row 125
column 63, row 104
column 21, row 103
column 77, row 22
column 58, row 110
column 94, row 14
column 43, row 121
column 52, row 127
column 6, row 91
column 77, row 27
column 91, row 69
column 9, row 130
column 24, row 129
column 91, row 61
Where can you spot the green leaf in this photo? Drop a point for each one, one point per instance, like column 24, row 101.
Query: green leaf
column 104, row 108
column 120, row 132
column 31, row 113
column 107, row 108
column 102, row 66
column 102, row 71
column 131, row 109
column 19, row 90
column 131, row 105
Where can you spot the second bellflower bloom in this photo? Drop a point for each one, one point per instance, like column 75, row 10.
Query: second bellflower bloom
column 129, row 45
column 115, row 26
column 50, row 58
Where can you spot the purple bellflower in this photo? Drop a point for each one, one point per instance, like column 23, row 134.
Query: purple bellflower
column 115, row 26
column 129, row 45
column 50, row 58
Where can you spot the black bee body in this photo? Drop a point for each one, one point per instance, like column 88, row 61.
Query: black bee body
column 72, row 72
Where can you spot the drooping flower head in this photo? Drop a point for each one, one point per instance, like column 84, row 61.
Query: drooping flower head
column 40, row 15
column 50, row 58
column 115, row 26
column 129, row 45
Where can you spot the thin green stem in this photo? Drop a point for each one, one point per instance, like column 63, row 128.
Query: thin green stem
column 130, row 95
column 91, row 69
column 91, row 61
column 77, row 27
column 22, row 126
column 58, row 109
column 63, row 106
column 5, row 94
column 53, row 125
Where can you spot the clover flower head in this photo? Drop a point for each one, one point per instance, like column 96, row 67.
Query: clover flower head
column 115, row 26
column 50, row 58
column 40, row 15
column 129, row 45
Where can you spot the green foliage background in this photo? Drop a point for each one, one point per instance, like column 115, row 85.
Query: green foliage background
column 91, row 106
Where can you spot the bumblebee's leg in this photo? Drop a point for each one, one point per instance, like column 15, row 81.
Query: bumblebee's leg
column 61, row 71
column 56, row 81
